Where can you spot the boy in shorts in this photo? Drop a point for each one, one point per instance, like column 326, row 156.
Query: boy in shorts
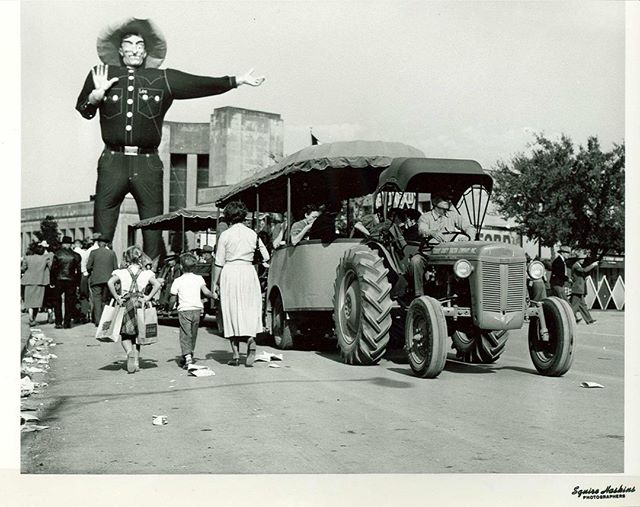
column 187, row 288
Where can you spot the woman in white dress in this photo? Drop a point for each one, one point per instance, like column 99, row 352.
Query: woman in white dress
column 239, row 290
column 134, row 279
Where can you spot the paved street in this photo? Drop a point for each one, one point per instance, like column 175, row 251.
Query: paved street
column 317, row 415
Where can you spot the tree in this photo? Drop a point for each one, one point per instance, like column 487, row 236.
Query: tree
column 49, row 232
column 559, row 196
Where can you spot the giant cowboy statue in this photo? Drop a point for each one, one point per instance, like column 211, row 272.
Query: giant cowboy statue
column 133, row 95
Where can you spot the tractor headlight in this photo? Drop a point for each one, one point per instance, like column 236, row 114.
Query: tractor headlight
column 462, row 268
column 536, row 270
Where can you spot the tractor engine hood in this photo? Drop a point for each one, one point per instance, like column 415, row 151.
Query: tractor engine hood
column 446, row 253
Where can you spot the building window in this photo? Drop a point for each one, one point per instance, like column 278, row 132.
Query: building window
column 178, row 181
column 203, row 170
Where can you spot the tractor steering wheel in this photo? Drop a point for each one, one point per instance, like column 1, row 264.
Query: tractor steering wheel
column 431, row 242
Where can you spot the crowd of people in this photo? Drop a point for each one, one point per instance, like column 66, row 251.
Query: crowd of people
column 74, row 283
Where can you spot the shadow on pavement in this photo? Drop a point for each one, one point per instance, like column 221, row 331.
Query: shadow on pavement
column 115, row 366
column 222, row 356
column 531, row 371
column 460, row 367
column 403, row 371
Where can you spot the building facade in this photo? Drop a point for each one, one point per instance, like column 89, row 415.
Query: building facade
column 76, row 220
column 200, row 161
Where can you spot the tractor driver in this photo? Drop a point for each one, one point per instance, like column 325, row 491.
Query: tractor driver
column 434, row 224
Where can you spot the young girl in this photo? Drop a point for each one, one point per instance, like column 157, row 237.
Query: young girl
column 133, row 281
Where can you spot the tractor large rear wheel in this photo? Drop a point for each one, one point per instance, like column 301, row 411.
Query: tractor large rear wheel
column 362, row 306
column 426, row 337
column 478, row 346
column 553, row 357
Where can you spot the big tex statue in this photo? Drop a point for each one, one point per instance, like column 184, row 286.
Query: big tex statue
column 133, row 95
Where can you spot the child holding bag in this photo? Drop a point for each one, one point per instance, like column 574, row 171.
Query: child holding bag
column 133, row 279
column 187, row 288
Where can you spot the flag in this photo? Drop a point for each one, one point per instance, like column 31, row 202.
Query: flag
column 314, row 140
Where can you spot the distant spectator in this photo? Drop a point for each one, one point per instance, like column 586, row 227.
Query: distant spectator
column 35, row 277
column 66, row 274
column 559, row 276
column 49, row 302
column 83, row 290
column 100, row 264
column 579, row 288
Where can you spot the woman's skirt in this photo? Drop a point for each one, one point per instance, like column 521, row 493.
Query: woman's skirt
column 33, row 296
column 240, row 299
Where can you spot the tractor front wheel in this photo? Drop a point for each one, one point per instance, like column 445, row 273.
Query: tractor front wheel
column 553, row 357
column 426, row 337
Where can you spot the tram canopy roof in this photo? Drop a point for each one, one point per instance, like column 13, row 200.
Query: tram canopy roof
column 451, row 177
column 319, row 173
column 195, row 219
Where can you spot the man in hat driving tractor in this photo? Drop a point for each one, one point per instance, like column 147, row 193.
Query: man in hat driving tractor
column 133, row 96
column 437, row 224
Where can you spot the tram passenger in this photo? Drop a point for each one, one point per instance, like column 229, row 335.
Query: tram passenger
column 301, row 228
column 324, row 227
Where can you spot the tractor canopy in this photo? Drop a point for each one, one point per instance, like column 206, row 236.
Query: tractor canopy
column 451, row 177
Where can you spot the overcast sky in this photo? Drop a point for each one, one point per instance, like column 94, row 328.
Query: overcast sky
column 455, row 79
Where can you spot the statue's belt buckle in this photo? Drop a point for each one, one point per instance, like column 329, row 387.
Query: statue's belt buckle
column 131, row 150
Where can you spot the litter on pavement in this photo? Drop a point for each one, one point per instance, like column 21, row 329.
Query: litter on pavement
column 26, row 386
column 196, row 370
column 28, row 428
column 268, row 356
column 274, row 365
column 591, row 385
column 159, row 420
column 24, row 418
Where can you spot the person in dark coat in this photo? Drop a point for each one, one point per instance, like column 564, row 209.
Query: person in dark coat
column 559, row 276
column 65, row 275
column 579, row 288
column 101, row 264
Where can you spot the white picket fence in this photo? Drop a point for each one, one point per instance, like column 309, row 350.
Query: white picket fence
column 603, row 295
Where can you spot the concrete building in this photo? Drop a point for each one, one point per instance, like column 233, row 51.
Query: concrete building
column 204, row 158
column 200, row 161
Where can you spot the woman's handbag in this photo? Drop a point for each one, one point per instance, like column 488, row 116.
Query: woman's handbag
column 258, row 259
column 147, row 320
column 110, row 322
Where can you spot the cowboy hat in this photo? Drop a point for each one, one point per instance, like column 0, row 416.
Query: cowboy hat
column 108, row 43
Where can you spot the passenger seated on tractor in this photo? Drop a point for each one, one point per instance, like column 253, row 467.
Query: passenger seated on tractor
column 324, row 227
column 365, row 224
column 300, row 229
column 411, row 225
column 436, row 224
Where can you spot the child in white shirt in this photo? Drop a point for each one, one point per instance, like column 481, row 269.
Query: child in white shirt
column 187, row 288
